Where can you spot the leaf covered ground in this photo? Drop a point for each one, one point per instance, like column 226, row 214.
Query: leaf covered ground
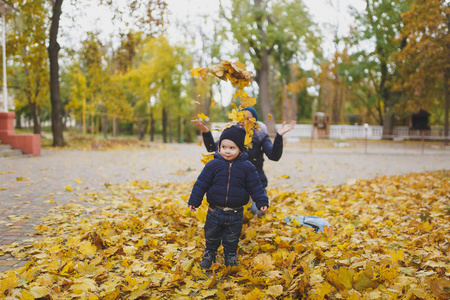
column 390, row 240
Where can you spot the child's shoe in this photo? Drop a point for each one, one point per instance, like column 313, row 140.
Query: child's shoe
column 231, row 259
column 208, row 258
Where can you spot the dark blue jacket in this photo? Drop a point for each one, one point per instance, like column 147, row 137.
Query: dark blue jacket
column 261, row 144
column 228, row 184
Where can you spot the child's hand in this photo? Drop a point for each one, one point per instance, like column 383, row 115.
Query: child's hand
column 263, row 209
column 192, row 208
column 286, row 128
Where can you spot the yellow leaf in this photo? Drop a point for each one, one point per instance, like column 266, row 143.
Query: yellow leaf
column 187, row 265
column 38, row 291
column 255, row 294
column 78, row 180
column 84, row 286
column 202, row 116
column 364, row 281
column 274, row 290
column 440, row 287
column 212, row 102
column 345, row 277
column 426, row 226
column 248, row 139
column 263, row 262
column 397, row 255
column 87, row 248
column 207, row 157
column 236, row 115
column 3, row 189
column 27, row 296
column 68, row 188
column 285, row 176
column 269, row 116
column 8, row 283
column 19, row 178
column 246, row 102
column 200, row 72
column 323, row 290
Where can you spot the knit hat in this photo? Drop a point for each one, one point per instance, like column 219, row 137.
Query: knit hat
column 234, row 133
column 253, row 111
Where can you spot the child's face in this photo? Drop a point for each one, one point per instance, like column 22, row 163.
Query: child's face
column 228, row 150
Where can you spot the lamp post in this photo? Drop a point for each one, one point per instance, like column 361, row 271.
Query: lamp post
column 4, row 9
column 366, row 128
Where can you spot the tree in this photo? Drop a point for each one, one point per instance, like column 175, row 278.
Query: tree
column 156, row 81
column 263, row 28
column 27, row 43
column 424, row 62
column 55, row 96
column 149, row 15
column 375, row 35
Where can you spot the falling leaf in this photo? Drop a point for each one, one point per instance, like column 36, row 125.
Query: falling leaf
column 207, row 157
column 248, row 102
column 200, row 72
column 202, row 116
column 212, row 102
column 270, row 116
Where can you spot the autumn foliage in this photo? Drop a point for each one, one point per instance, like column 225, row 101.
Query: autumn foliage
column 140, row 241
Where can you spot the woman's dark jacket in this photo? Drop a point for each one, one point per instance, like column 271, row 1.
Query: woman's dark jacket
column 261, row 144
column 228, row 184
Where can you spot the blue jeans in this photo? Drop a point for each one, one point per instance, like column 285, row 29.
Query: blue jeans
column 223, row 227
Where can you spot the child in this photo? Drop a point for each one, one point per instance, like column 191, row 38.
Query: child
column 228, row 180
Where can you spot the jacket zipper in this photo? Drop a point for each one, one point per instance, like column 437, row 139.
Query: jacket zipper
column 228, row 185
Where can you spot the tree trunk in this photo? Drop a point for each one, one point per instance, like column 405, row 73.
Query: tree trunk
column 262, row 75
column 18, row 121
column 447, row 100
column 285, row 101
column 152, row 127
column 294, row 107
column 170, row 128
column 164, row 124
column 105, row 123
column 141, row 132
column 36, row 121
column 55, row 97
column 388, row 122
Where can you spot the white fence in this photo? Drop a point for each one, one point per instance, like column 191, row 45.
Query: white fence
column 350, row 131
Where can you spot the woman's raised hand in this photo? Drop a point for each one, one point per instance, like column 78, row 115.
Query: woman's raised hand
column 286, row 128
column 202, row 127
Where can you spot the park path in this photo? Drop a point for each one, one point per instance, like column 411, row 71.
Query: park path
column 31, row 186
